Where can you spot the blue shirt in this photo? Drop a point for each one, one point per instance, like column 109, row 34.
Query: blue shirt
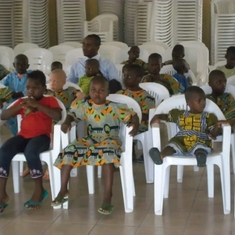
column 181, row 80
column 107, row 68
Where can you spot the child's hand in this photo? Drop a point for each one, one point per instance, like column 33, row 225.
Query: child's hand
column 219, row 123
column 66, row 127
column 134, row 130
column 80, row 95
column 29, row 102
column 155, row 119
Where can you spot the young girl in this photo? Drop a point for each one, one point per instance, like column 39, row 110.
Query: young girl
column 196, row 128
column 37, row 114
column 102, row 145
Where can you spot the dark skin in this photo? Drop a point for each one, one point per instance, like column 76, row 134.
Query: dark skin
column 230, row 58
column 98, row 93
column 35, row 91
column 134, row 54
column 90, row 48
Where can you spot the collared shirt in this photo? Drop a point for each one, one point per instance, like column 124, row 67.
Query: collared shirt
column 107, row 68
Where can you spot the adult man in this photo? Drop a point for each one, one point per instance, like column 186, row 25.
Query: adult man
column 91, row 45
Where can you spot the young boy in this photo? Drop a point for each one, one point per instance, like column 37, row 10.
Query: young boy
column 37, row 113
column 154, row 67
column 133, row 58
column 229, row 68
column 225, row 101
column 92, row 69
column 16, row 81
column 56, row 65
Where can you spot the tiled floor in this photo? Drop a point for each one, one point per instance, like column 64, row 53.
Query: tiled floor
column 187, row 211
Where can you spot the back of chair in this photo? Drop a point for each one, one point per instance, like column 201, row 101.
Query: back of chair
column 72, row 44
column 119, row 69
column 153, row 48
column 117, row 44
column 158, row 91
column 113, row 53
column 73, row 56
column 231, row 80
column 5, row 61
column 131, row 103
column 22, row 47
column 71, row 84
column 158, row 43
column 59, row 52
column 8, row 52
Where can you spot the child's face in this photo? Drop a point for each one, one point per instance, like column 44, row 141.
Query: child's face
column 34, row 89
column 134, row 53
column 130, row 79
column 91, row 69
column 230, row 59
column 98, row 92
column 57, row 82
column 178, row 55
column 21, row 65
column 197, row 103
column 154, row 66
column 218, row 84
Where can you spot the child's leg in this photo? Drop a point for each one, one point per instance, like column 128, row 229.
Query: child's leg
column 157, row 156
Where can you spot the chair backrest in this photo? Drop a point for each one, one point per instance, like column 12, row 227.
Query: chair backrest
column 119, row 69
column 72, row 44
column 8, row 52
column 59, row 52
column 231, row 80
column 144, row 55
column 220, row 63
column 73, row 56
column 67, row 84
column 1, row 85
column 158, row 91
column 22, row 47
column 158, row 43
column 117, row 44
column 153, row 48
column 167, row 55
column 39, row 58
column 131, row 103
column 5, row 61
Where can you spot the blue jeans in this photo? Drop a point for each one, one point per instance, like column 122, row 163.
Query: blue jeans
column 30, row 147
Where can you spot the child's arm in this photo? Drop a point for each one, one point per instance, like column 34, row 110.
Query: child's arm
column 217, row 128
column 66, row 126
column 134, row 122
column 158, row 117
column 12, row 111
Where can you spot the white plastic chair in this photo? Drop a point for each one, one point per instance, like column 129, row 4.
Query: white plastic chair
column 59, row 52
column 8, row 52
column 39, row 58
column 119, row 69
column 5, row 61
column 126, row 170
column 158, row 43
column 22, row 47
column 121, row 45
column 73, row 56
column 221, row 159
column 47, row 156
column 72, row 44
column 231, row 80
column 144, row 55
column 153, row 48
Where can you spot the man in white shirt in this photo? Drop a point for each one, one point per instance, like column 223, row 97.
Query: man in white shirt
column 91, row 45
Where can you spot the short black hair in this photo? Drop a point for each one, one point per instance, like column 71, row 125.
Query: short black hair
column 96, row 38
column 191, row 91
column 135, row 68
column 230, row 50
column 215, row 73
column 56, row 65
column 93, row 62
column 22, row 57
column 179, row 65
column 37, row 76
column 100, row 79
column 178, row 49
column 134, row 47
column 155, row 56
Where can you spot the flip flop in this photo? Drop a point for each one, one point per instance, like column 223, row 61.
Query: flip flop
column 105, row 209
column 29, row 203
column 3, row 207
column 59, row 201
column 201, row 159
column 156, row 156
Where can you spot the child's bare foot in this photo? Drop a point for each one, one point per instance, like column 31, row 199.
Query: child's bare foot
column 46, row 175
column 25, row 172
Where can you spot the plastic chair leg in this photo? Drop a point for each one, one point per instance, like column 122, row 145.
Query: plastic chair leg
column 99, row 172
column 21, row 167
column 74, row 172
column 210, row 180
column 233, row 151
column 90, row 179
column 180, row 173
column 16, row 176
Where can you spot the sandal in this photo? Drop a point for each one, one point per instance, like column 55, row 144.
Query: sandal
column 156, row 156
column 106, row 209
column 201, row 157
column 59, row 201
column 3, row 207
column 29, row 204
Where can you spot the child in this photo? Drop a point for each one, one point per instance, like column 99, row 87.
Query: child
column 134, row 54
column 56, row 65
column 225, row 101
column 37, row 113
column 154, row 67
column 196, row 128
column 16, row 82
column 92, row 69
column 229, row 68
column 102, row 145
column 181, row 68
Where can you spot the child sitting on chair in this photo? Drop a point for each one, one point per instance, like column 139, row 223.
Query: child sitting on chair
column 225, row 101
column 196, row 128
column 56, row 65
column 37, row 113
column 102, row 145
column 181, row 68
column 229, row 67
column 92, row 69
column 16, row 81
column 154, row 67
column 133, row 58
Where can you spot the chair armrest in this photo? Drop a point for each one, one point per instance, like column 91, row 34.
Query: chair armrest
column 226, row 139
column 156, row 138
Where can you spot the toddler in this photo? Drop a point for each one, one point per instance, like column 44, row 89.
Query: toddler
column 56, row 65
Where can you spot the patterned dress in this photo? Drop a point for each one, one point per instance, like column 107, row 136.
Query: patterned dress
column 102, row 145
column 5, row 93
column 145, row 101
column 167, row 80
column 139, row 62
column 193, row 131
column 66, row 96
column 3, row 71
column 226, row 104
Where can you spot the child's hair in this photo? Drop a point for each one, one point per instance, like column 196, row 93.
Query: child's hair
column 178, row 49
column 56, row 65
column 100, row 79
column 179, row 65
column 37, row 76
column 230, row 50
column 93, row 62
column 22, row 57
column 215, row 73
column 191, row 91
column 135, row 68
column 155, row 56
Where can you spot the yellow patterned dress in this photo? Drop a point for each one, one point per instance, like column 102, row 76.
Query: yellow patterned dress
column 5, row 94
column 145, row 101
column 102, row 145
column 193, row 131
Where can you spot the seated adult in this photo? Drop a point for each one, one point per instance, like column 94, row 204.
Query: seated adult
column 91, row 45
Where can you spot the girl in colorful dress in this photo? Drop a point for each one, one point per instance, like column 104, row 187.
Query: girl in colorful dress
column 102, row 145
column 196, row 128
